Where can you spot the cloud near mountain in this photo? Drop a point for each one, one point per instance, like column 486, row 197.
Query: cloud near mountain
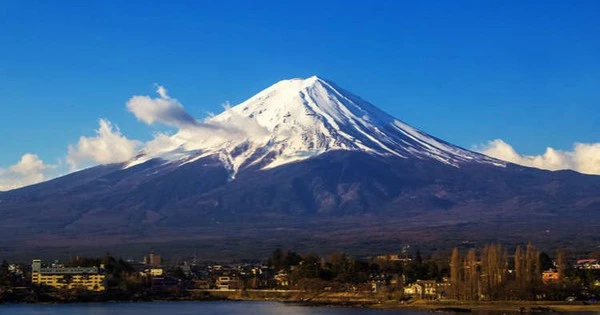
column 108, row 146
column 584, row 158
column 29, row 170
column 163, row 110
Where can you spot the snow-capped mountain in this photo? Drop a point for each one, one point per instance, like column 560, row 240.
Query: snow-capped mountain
column 301, row 118
column 307, row 164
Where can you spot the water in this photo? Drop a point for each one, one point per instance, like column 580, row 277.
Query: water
column 189, row 308
column 197, row 308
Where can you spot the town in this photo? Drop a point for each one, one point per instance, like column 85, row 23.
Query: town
column 484, row 274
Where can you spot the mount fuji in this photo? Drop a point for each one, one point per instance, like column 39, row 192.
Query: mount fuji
column 297, row 119
column 307, row 164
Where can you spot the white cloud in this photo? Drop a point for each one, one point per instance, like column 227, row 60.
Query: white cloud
column 584, row 158
column 161, row 143
column 207, row 133
column 162, row 91
column 108, row 146
column 164, row 110
column 29, row 170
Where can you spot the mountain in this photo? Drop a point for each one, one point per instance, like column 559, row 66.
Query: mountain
column 297, row 119
column 303, row 164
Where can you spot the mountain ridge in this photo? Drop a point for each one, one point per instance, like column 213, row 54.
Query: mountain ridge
column 226, row 181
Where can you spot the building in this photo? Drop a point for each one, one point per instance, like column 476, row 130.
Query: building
column 550, row 276
column 282, row 279
column 91, row 278
column 587, row 264
column 153, row 259
column 427, row 289
column 228, row 283
column 153, row 272
column 414, row 290
column 15, row 269
column 394, row 258
column 389, row 257
column 379, row 282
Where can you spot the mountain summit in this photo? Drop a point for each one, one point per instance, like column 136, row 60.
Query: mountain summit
column 297, row 119
column 307, row 164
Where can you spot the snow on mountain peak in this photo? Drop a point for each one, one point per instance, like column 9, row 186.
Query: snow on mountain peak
column 296, row 119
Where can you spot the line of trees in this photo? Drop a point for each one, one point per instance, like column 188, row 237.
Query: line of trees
column 489, row 277
column 489, row 274
column 340, row 269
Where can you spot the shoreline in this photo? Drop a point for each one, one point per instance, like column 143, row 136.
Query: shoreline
column 383, row 302
column 354, row 300
column 457, row 307
column 502, row 306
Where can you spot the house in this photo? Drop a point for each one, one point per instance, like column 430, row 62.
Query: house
column 550, row 276
column 282, row 278
column 153, row 272
column 414, row 290
column 379, row 282
column 587, row 264
column 226, row 283
column 429, row 288
column 426, row 289
column 15, row 269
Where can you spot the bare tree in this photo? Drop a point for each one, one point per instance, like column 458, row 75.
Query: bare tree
column 471, row 275
column 561, row 263
column 455, row 273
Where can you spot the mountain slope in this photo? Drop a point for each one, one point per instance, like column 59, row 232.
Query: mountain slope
column 303, row 162
column 301, row 118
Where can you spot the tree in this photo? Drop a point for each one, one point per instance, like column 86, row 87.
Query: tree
column 418, row 257
column 283, row 260
column 455, row 272
column 471, row 275
column 4, row 274
column 519, row 270
column 493, row 268
column 309, row 267
column 455, row 266
column 561, row 263
column 344, row 269
column 531, row 258
column 545, row 261
column 531, row 272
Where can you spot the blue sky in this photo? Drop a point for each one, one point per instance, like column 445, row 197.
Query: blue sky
column 526, row 72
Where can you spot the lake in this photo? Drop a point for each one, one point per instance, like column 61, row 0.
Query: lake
column 198, row 308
